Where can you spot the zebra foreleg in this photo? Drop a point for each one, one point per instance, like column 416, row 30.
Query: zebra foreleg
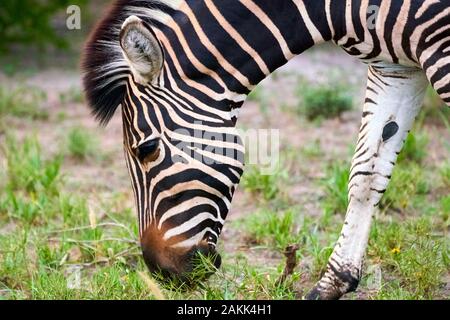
column 393, row 99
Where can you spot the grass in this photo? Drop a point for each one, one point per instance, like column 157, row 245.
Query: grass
column 52, row 231
column 277, row 230
column 57, row 243
column 313, row 150
column 322, row 101
column 80, row 143
column 27, row 169
column 407, row 183
column 444, row 211
column 445, row 174
column 56, row 249
column 23, row 102
column 72, row 95
column 271, row 228
column 335, row 187
column 259, row 183
column 417, row 259
column 415, row 148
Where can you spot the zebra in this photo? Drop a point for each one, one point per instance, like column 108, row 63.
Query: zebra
column 179, row 66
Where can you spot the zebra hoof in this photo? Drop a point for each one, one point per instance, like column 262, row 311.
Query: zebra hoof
column 336, row 284
column 320, row 294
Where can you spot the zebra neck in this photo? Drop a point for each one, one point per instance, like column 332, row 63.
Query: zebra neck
column 228, row 47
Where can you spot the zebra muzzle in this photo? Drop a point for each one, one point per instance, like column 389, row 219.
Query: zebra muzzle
column 186, row 266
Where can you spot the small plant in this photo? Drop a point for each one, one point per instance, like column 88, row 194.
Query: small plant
column 272, row 228
column 445, row 210
column 323, row 101
column 22, row 102
column 320, row 255
column 445, row 174
column 335, row 187
column 19, row 207
column 407, row 181
column 73, row 95
column 313, row 149
column 415, row 148
column 31, row 182
column 27, row 169
column 80, row 143
column 405, row 184
column 256, row 182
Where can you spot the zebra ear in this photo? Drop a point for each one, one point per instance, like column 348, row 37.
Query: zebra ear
column 141, row 49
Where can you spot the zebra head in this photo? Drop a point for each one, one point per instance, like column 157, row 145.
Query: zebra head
column 182, row 150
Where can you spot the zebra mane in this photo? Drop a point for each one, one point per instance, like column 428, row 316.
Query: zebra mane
column 105, row 70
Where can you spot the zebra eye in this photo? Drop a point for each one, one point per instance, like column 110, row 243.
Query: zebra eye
column 148, row 151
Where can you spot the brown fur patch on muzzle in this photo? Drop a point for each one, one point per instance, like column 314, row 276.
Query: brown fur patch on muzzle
column 175, row 263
